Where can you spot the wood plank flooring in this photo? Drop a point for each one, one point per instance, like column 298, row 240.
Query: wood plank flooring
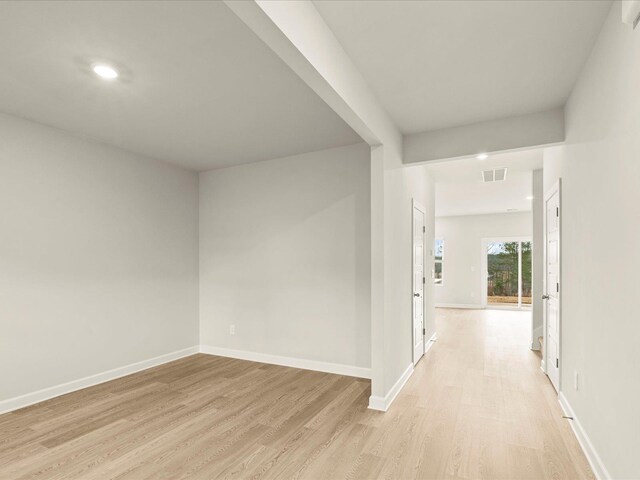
column 477, row 406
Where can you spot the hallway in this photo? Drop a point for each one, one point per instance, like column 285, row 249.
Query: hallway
column 493, row 413
column 477, row 406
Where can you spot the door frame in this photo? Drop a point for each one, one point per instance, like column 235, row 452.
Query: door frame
column 555, row 188
column 418, row 206
column 484, row 265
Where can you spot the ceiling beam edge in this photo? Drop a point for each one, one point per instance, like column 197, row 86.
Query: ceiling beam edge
column 297, row 33
column 511, row 133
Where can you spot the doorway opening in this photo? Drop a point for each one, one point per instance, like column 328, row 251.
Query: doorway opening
column 552, row 284
column 419, row 280
column 507, row 272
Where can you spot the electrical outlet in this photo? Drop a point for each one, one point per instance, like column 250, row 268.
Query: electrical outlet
column 232, row 329
column 575, row 380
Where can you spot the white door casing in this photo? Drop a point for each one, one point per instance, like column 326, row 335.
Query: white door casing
column 418, row 281
column 552, row 285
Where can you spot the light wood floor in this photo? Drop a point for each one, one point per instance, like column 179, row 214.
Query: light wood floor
column 477, row 406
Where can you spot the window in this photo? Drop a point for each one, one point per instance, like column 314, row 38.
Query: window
column 439, row 255
column 509, row 273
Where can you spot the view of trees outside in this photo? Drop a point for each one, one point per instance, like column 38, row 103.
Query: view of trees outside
column 526, row 273
column 439, row 255
column 503, row 270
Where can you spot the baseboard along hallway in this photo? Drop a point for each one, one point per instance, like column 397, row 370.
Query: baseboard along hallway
column 319, row 240
column 477, row 406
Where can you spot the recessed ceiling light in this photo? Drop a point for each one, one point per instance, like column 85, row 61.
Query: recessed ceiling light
column 482, row 156
column 530, row 197
column 105, row 71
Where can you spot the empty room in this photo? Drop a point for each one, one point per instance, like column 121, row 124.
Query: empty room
column 319, row 239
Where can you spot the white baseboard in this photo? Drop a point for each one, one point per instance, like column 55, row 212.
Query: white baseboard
column 45, row 394
column 327, row 367
column 459, row 305
column 430, row 342
column 377, row 403
column 383, row 403
column 599, row 470
column 537, row 332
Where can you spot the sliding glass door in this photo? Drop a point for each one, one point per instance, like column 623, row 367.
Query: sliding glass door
column 509, row 273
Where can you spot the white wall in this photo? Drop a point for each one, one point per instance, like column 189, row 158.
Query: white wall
column 600, row 171
column 462, row 265
column 537, row 259
column 285, row 257
column 541, row 128
column 402, row 184
column 98, row 258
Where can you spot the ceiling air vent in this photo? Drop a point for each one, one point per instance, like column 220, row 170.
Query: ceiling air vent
column 496, row 175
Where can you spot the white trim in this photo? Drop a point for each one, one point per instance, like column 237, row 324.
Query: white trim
column 599, row 470
column 555, row 188
column 537, row 332
column 318, row 366
column 460, row 305
column 505, row 306
column 383, row 404
column 45, row 394
column 430, row 342
column 417, row 206
column 377, row 403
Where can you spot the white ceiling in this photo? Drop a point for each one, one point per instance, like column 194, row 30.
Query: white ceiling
column 460, row 190
column 198, row 88
column 437, row 64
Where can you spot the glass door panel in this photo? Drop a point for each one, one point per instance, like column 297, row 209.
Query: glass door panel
column 502, row 270
column 526, row 273
column 509, row 273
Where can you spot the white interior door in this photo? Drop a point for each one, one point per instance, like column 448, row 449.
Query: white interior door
column 418, row 281
column 551, row 296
